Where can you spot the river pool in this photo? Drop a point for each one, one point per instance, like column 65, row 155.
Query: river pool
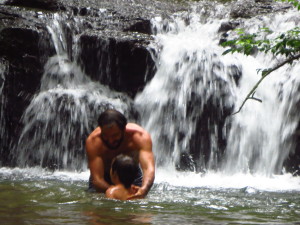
column 35, row 196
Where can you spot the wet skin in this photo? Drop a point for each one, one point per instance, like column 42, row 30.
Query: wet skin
column 106, row 142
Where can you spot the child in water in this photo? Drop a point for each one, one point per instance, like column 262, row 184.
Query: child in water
column 123, row 172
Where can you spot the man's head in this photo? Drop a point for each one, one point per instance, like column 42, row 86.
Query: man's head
column 125, row 168
column 113, row 125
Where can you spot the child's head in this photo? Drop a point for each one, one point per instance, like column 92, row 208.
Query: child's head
column 125, row 168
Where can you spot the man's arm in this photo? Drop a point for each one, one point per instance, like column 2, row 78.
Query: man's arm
column 96, row 166
column 148, row 167
column 147, row 162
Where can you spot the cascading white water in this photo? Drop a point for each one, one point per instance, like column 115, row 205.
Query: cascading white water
column 58, row 35
column 3, row 133
column 261, row 136
column 63, row 112
column 190, row 74
column 190, row 66
column 65, row 34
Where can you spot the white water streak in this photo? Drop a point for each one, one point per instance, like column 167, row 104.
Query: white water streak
column 58, row 36
column 3, row 133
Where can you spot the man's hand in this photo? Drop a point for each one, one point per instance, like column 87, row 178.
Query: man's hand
column 139, row 193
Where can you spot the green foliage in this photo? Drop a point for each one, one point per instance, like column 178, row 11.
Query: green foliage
column 296, row 3
column 286, row 44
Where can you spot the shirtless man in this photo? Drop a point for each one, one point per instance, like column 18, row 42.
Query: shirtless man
column 115, row 136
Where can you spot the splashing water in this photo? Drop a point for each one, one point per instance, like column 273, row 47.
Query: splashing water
column 61, row 115
column 193, row 76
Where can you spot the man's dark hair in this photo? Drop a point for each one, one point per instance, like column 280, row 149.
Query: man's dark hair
column 112, row 116
column 126, row 169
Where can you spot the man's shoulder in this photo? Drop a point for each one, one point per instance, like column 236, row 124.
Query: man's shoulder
column 136, row 129
column 133, row 126
column 138, row 134
column 93, row 141
column 94, row 135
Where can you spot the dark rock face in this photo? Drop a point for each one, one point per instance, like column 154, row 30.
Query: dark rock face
column 38, row 4
column 20, row 48
column 292, row 163
column 122, row 64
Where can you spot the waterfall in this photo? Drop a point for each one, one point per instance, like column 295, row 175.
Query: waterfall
column 187, row 105
column 184, row 104
column 64, row 111
column 262, row 134
column 58, row 35
column 3, row 133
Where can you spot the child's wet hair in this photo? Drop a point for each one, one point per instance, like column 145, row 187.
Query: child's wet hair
column 126, row 169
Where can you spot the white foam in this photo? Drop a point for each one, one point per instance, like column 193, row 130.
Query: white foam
column 276, row 183
column 39, row 173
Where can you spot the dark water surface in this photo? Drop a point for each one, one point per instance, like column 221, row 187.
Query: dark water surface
column 52, row 199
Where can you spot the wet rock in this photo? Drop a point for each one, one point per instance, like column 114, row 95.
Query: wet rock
column 235, row 72
column 52, row 5
column 123, row 63
column 226, row 26
column 208, row 140
column 141, row 26
column 292, row 163
column 20, row 48
column 250, row 8
column 185, row 162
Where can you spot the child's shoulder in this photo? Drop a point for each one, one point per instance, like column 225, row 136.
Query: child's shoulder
column 111, row 191
column 116, row 192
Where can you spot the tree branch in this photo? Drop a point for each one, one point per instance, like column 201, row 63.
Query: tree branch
column 265, row 73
